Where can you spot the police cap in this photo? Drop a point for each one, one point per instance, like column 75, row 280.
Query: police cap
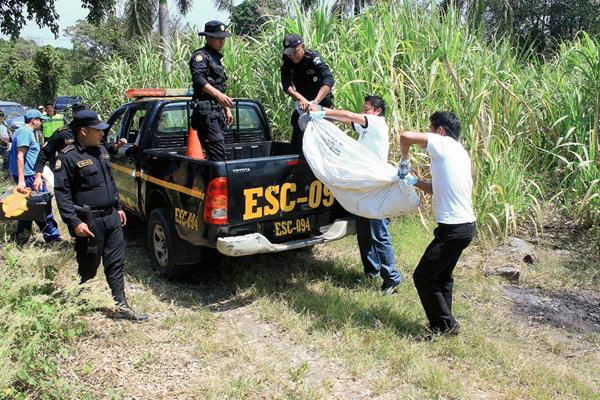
column 215, row 29
column 89, row 119
column 290, row 42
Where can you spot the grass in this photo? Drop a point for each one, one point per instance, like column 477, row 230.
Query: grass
column 292, row 325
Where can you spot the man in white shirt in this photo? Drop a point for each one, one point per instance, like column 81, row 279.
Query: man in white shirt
column 4, row 141
column 451, row 186
column 373, row 236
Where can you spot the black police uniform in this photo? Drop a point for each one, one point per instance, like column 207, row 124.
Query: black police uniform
column 308, row 76
column 208, row 118
column 61, row 138
column 83, row 178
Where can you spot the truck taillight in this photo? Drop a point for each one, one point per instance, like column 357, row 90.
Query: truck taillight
column 216, row 202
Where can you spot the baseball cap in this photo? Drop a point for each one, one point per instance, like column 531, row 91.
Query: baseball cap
column 290, row 42
column 31, row 114
column 89, row 119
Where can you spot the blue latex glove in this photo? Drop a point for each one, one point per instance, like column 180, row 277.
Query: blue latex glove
column 410, row 179
column 404, row 168
column 313, row 115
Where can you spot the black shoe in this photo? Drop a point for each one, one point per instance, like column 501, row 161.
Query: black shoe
column 125, row 312
column 436, row 332
column 388, row 289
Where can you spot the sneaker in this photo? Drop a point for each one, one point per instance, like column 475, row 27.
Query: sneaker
column 388, row 289
column 125, row 312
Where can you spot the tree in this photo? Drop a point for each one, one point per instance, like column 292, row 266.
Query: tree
column 250, row 15
column 49, row 66
column 15, row 13
column 141, row 15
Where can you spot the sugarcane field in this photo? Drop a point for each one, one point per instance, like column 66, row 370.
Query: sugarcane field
column 269, row 199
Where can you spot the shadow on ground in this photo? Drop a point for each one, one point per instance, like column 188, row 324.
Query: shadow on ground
column 223, row 283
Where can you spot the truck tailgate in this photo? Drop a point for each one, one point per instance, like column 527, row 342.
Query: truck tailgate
column 278, row 197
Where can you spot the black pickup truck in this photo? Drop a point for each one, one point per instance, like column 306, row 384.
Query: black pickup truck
column 261, row 199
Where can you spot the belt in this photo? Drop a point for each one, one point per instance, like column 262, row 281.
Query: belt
column 102, row 212
column 213, row 105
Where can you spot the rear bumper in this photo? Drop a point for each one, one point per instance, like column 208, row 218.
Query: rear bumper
column 255, row 243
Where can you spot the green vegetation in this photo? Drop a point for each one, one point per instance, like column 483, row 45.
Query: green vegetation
column 531, row 126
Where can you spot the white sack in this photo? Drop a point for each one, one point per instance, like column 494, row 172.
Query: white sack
column 48, row 176
column 360, row 182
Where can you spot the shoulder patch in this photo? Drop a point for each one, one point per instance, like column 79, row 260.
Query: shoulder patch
column 198, row 57
column 106, row 156
column 317, row 61
column 68, row 148
column 84, row 163
column 57, row 165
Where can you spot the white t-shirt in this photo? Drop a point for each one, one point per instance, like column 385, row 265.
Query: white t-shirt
column 4, row 133
column 375, row 136
column 451, row 180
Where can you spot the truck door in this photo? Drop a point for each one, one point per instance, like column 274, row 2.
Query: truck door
column 128, row 125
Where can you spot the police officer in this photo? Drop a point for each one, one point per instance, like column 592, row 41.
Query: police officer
column 53, row 122
column 62, row 137
column 212, row 108
column 89, row 204
column 306, row 78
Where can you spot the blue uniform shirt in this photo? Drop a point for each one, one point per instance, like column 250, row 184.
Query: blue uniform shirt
column 24, row 137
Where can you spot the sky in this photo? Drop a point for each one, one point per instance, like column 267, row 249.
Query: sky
column 71, row 11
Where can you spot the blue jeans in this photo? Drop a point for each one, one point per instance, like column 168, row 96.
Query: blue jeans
column 49, row 227
column 376, row 249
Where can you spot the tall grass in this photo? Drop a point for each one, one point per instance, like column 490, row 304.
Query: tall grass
column 531, row 127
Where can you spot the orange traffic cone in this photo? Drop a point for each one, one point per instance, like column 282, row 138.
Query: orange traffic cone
column 194, row 148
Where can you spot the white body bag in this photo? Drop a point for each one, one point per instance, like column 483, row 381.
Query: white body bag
column 361, row 183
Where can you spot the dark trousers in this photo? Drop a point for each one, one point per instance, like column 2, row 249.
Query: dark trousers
column 297, row 133
column 210, row 125
column 107, row 246
column 376, row 251
column 433, row 276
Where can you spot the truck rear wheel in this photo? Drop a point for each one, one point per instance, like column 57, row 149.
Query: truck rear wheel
column 162, row 243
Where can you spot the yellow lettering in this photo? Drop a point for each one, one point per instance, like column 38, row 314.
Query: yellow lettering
column 314, row 194
column 251, row 201
column 287, row 206
column 273, row 207
column 328, row 197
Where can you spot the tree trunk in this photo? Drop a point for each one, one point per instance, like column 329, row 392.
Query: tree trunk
column 163, row 16
column 356, row 7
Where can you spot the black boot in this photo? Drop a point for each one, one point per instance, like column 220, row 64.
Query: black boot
column 125, row 312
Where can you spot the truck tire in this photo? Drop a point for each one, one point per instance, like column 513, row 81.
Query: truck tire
column 162, row 243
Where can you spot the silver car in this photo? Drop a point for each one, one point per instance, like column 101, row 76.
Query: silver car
column 15, row 114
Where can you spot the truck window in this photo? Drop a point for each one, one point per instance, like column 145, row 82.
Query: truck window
column 173, row 120
column 114, row 131
column 136, row 120
column 249, row 118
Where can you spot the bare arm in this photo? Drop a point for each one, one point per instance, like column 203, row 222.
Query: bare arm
column 424, row 186
column 408, row 138
column 221, row 98
column 345, row 117
column 323, row 91
column 21, row 166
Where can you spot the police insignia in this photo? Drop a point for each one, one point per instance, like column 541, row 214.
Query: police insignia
column 57, row 165
column 84, row 163
column 317, row 61
column 286, row 43
column 198, row 58
column 315, row 79
column 105, row 156
column 222, row 27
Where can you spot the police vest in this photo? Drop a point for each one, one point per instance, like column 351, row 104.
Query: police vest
column 52, row 124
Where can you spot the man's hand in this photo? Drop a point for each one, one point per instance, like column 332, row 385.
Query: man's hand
column 21, row 187
column 37, row 182
column 120, row 143
column 224, row 100
column 404, row 168
column 228, row 116
column 410, row 179
column 316, row 115
column 82, row 230
column 122, row 217
column 303, row 104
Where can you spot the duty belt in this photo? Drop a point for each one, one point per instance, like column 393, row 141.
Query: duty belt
column 101, row 212
column 207, row 105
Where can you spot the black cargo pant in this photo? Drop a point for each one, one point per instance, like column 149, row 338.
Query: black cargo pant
column 433, row 276
column 107, row 246
column 209, row 122
column 297, row 133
